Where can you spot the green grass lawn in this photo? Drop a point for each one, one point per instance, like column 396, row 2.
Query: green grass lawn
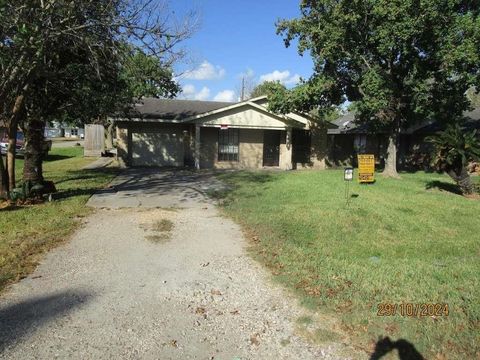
column 398, row 241
column 28, row 231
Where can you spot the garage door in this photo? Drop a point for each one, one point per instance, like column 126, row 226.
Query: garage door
column 163, row 148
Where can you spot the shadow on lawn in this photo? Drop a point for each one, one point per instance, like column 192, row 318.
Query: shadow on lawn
column 406, row 350
column 75, row 190
column 9, row 207
column 236, row 178
column 20, row 319
column 66, row 194
column 78, row 175
column 82, row 176
column 443, row 186
column 246, row 176
column 56, row 157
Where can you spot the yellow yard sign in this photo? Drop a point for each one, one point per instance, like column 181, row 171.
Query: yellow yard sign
column 366, row 168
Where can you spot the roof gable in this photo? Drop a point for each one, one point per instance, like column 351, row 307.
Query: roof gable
column 246, row 114
column 261, row 100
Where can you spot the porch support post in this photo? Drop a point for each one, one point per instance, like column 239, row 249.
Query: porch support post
column 129, row 145
column 289, row 150
column 197, row 146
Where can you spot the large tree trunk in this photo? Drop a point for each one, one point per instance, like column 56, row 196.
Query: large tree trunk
column 34, row 151
column 17, row 113
column 463, row 180
column 3, row 180
column 391, row 159
column 12, row 150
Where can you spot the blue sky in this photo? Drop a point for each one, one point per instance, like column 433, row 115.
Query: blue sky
column 238, row 38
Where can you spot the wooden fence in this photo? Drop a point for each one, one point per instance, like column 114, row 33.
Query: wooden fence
column 94, row 144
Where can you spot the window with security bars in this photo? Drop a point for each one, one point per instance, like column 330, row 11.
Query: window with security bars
column 228, row 145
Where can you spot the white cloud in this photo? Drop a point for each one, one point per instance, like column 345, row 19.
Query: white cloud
column 294, row 80
column 283, row 77
column 205, row 71
column 202, row 94
column 275, row 76
column 225, row 95
column 189, row 92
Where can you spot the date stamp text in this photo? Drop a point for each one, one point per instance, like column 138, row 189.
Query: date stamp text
column 413, row 309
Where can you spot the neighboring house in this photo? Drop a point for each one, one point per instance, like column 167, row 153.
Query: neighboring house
column 347, row 139
column 206, row 134
column 52, row 132
column 74, row 132
column 57, row 129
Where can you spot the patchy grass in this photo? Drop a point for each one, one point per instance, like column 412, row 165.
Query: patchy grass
column 411, row 240
column 163, row 225
column 160, row 230
column 28, row 231
column 159, row 238
column 305, row 320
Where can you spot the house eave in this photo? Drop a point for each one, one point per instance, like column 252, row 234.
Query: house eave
column 149, row 120
column 244, row 127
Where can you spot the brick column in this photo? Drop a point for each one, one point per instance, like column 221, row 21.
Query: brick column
column 289, row 150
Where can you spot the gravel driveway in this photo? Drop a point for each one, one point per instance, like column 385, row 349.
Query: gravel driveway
column 155, row 273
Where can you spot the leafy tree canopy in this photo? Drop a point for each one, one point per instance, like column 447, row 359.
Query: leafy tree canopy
column 66, row 59
column 267, row 88
column 77, row 46
column 146, row 76
column 398, row 61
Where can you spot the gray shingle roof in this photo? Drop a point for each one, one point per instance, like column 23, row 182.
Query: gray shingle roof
column 346, row 124
column 174, row 109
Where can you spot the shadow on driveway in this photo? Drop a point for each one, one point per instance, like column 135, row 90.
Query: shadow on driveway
column 20, row 319
column 152, row 188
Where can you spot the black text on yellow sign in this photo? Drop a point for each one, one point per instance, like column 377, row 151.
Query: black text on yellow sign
column 366, row 168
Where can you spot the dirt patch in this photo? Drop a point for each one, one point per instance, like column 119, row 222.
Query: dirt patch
column 161, row 239
column 158, row 224
column 163, row 225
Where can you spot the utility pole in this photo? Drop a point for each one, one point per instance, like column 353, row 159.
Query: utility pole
column 242, row 96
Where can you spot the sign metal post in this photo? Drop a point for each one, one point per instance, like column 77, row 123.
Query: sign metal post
column 347, row 177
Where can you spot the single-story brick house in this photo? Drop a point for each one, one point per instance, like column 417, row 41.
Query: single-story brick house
column 207, row 134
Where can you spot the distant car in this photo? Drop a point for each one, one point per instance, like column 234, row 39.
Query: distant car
column 47, row 144
column 20, row 144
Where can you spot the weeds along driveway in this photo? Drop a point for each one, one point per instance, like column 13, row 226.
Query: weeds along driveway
column 155, row 273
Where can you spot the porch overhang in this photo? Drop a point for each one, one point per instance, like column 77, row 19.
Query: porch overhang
column 236, row 126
